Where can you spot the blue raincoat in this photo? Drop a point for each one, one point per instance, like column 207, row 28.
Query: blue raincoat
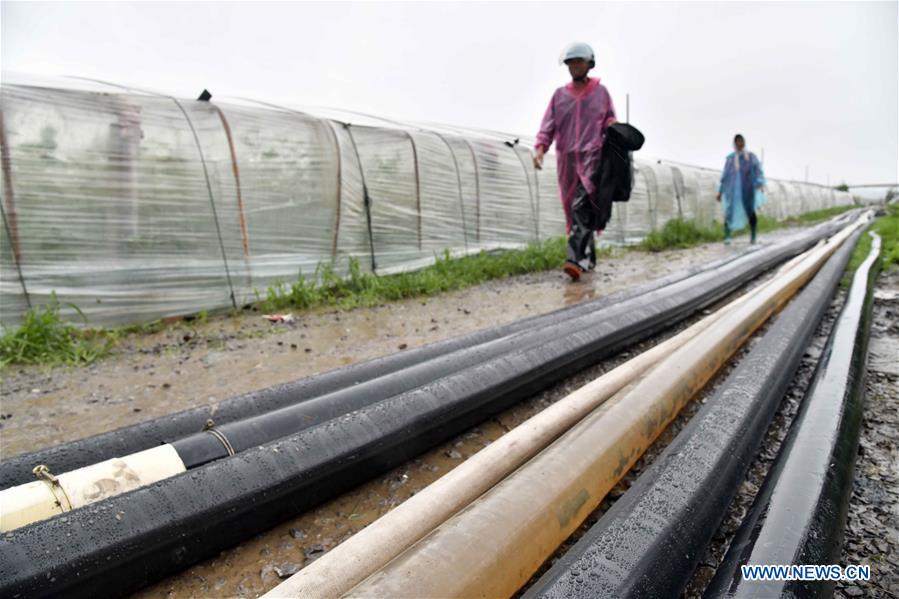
column 740, row 183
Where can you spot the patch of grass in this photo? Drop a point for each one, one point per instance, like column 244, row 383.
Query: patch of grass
column 359, row 289
column 45, row 338
column 764, row 225
column 144, row 328
column 680, row 233
column 887, row 227
column 808, row 218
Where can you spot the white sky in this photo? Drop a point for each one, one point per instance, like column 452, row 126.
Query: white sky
column 814, row 83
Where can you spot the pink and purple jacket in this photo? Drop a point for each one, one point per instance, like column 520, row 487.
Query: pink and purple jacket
column 577, row 121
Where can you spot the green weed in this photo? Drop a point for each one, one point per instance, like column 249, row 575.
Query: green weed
column 679, row 233
column 45, row 338
column 359, row 288
column 808, row 218
column 887, row 227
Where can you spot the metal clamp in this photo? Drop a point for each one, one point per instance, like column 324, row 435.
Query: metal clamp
column 209, row 428
column 42, row 472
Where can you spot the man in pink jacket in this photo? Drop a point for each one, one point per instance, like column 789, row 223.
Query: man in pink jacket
column 576, row 120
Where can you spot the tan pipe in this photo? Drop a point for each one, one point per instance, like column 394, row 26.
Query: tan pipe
column 492, row 547
column 358, row 557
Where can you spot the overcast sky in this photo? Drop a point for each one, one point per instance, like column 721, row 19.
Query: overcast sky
column 815, row 83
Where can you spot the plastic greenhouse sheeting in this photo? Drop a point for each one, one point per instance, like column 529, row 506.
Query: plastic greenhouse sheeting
column 134, row 205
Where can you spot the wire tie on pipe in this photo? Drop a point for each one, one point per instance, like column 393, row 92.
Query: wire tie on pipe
column 221, row 437
column 42, row 472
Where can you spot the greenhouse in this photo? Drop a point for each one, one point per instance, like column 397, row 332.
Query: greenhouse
column 134, row 205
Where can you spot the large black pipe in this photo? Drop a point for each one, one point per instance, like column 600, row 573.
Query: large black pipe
column 380, row 377
column 649, row 542
column 800, row 512
column 119, row 544
column 376, row 378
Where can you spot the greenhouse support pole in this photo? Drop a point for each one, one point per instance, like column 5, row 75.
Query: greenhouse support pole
column 536, row 193
column 10, row 222
column 366, row 198
column 649, row 202
column 339, row 193
column 459, row 183
column 417, row 183
column 15, row 259
column 677, row 191
column 245, row 238
column 527, row 177
column 477, row 191
column 244, row 233
column 215, row 216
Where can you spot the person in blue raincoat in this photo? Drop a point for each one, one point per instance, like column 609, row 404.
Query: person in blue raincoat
column 742, row 188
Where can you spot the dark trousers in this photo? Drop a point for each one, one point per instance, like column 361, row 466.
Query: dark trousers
column 581, row 241
column 749, row 207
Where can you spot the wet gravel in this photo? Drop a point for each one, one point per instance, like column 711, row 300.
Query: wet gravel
column 872, row 530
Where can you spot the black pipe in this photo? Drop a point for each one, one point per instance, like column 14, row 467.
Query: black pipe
column 144, row 435
column 119, row 544
column 800, row 512
column 649, row 542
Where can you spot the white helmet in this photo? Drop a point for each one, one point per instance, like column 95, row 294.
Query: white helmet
column 578, row 50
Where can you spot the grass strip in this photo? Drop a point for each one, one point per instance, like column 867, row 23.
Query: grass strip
column 362, row 289
column 887, row 226
column 679, row 233
column 45, row 338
